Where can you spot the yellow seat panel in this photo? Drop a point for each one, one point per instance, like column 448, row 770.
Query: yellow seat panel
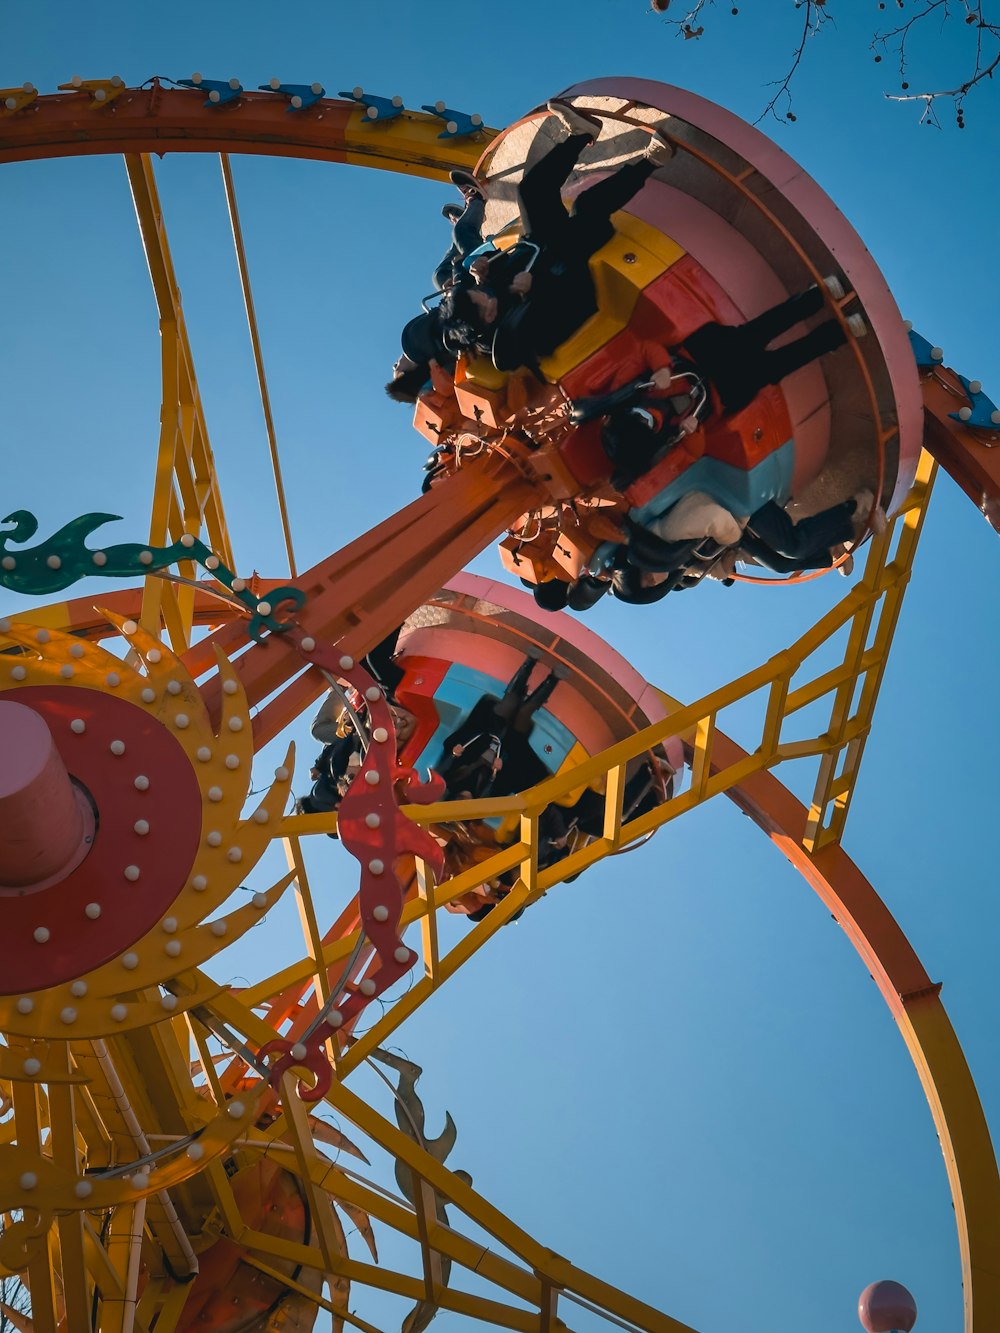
column 635, row 256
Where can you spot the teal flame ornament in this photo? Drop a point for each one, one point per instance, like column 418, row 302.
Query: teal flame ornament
column 65, row 558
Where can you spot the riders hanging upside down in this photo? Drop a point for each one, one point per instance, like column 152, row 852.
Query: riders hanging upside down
column 672, row 404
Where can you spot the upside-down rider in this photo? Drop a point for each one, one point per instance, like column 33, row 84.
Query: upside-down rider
column 530, row 299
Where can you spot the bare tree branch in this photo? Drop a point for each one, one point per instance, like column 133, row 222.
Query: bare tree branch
column 815, row 16
column 971, row 15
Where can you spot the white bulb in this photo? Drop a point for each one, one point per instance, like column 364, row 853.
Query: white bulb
column 169, row 924
column 76, row 650
column 211, row 562
column 964, row 413
column 117, row 747
column 975, row 386
column 199, row 883
column 28, row 1180
column 282, row 773
column 259, row 900
column 25, row 1004
column 372, row 778
column 79, row 989
column 316, row 89
column 261, row 816
column 148, row 696
column 229, row 687
column 299, row 1051
column 296, row 101
column 308, row 644
column 173, row 687
column 53, row 562
column 141, row 826
column 168, row 1002
column 18, row 672
column 373, row 694
column 132, row 873
column 78, row 726
column 196, row 1152
column 145, row 557
column 154, row 655
column 181, row 720
column 141, row 782
column 346, row 663
column 235, row 724
column 380, row 913
column 130, row 960
column 402, row 954
column 99, row 558
column 380, row 734
column 214, row 838
column 334, row 1018
column 8, row 562
column 236, row 1109
column 373, row 820
column 215, row 95
column 452, row 126
column 43, row 636
column 83, row 1189
column 218, row 928
column 203, row 754
column 264, row 608
column 172, row 948
column 376, row 866
column 215, row 793
column 367, row 987
column 67, row 672
column 187, row 539
column 41, row 934
column 141, row 1178
column 92, row 910
column 238, row 585
column 68, row 1015
column 31, row 1066
column 234, row 854
column 119, row 1012
column 937, row 354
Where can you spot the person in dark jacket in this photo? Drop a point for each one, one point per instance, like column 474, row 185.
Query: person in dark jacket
column 519, row 314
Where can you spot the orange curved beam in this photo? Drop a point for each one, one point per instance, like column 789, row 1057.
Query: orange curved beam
column 915, row 1003
column 177, row 120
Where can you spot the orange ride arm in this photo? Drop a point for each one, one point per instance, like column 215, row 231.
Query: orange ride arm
column 356, row 596
column 971, row 457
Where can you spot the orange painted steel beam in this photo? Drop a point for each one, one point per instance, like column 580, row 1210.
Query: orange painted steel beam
column 171, row 120
column 356, row 596
column 970, row 457
column 914, row 1000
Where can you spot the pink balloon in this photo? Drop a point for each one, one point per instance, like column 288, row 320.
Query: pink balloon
column 887, row 1307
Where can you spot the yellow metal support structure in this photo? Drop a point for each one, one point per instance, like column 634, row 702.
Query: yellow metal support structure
column 186, row 495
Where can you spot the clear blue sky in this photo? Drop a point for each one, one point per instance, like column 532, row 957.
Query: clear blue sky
column 675, row 1072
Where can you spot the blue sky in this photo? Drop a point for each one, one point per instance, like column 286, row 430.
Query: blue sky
column 675, row 1072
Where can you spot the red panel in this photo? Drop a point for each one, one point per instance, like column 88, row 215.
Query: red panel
column 680, row 301
column 416, row 694
column 172, row 807
column 584, row 455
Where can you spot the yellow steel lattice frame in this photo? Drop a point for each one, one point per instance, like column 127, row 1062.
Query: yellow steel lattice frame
column 186, row 494
column 867, row 615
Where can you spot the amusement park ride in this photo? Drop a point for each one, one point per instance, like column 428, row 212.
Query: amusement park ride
column 160, row 1163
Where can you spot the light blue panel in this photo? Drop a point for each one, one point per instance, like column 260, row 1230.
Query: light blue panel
column 456, row 696
column 740, row 491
